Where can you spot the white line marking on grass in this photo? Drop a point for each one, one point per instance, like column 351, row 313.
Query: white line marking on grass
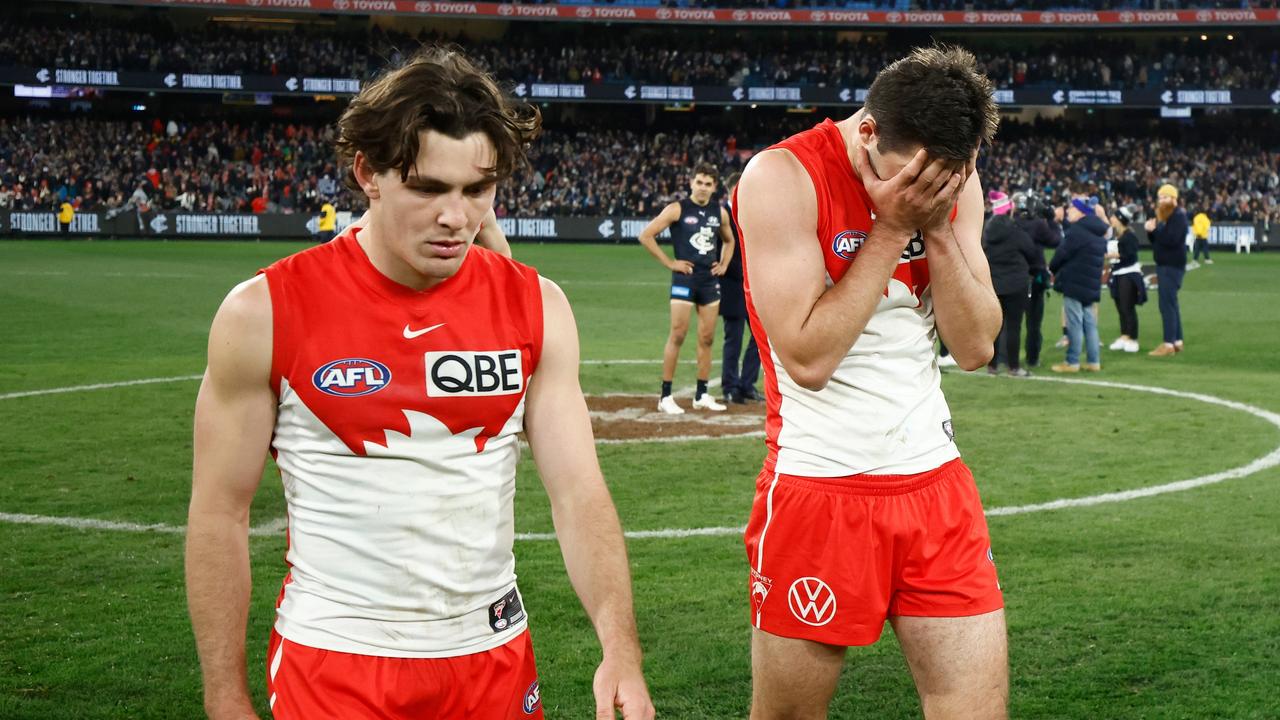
column 181, row 378
column 86, row 523
column 127, row 275
column 266, row 529
column 1270, row 460
column 276, row 526
column 98, row 386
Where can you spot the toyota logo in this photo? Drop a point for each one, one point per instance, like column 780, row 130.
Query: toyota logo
column 341, row 4
column 818, row 16
column 663, row 14
column 739, row 15
column 894, row 17
column 971, row 17
column 1048, row 17
column 1204, row 16
column 1126, row 17
column 811, row 601
column 505, row 9
column 584, row 12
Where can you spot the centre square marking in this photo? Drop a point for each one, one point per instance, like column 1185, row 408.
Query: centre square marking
column 631, row 417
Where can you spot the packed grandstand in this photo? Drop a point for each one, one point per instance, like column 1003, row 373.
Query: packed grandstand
column 117, row 151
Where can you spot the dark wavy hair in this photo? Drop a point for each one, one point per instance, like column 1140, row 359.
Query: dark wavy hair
column 706, row 168
column 934, row 97
column 437, row 88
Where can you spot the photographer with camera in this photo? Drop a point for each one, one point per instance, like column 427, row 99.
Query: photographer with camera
column 1010, row 254
column 1168, row 232
column 1077, row 268
column 1042, row 223
column 1126, row 285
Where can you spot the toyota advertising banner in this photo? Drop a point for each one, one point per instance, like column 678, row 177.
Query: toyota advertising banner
column 747, row 16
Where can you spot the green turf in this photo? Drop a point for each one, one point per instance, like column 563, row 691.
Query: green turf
column 1164, row 607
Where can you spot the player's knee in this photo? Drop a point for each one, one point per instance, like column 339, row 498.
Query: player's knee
column 678, row 334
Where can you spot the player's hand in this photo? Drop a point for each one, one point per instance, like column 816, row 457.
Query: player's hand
column 719, row 269
column 619, row 685
column 1150, row 225
column 684, row 267
column 1058, row 214
column 919, row 197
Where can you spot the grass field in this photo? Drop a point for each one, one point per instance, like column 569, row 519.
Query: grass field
column 1158, row 607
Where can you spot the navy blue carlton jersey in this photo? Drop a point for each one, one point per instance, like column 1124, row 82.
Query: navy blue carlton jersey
column 696, row 235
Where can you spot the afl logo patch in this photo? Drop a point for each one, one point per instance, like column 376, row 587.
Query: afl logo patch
column 351, row 377
column 847, row 243
column 691, row 220
column 532, row 698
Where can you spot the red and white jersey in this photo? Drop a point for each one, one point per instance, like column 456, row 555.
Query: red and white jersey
column 396, row 441
column 883, row 411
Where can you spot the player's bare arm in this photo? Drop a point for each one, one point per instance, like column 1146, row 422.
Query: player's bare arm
column 965, row 305
column 812, row 327
column 649, row 239
column 727, row 245
column 559, row 432
column 234, row 417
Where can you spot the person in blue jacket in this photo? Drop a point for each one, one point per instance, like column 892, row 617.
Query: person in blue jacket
column 1077, row 272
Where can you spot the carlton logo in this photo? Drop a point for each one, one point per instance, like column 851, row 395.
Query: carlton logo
column 811, row 601
column 462, row 373
column 847, row 243
column 351, row 377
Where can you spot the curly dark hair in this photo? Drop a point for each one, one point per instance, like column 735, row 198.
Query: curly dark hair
column 934, row 97
column 437, row 88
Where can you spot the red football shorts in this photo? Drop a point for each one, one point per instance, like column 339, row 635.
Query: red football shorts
column 305, row 683
column 833, row 558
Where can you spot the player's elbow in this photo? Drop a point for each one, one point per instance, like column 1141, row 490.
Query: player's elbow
column 973, row 358
column 810, row 376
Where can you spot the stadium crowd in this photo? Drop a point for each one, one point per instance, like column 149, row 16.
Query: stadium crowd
column 694, row 58
column 207, row 166
column 223, row 166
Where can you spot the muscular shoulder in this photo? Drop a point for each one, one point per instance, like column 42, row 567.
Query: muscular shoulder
column 775, row 179
column 241, row 336
column 248, row 305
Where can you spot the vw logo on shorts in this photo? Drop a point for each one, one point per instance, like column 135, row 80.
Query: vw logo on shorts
column 812, row 601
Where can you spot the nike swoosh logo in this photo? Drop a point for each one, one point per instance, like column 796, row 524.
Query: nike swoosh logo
column 411, row 334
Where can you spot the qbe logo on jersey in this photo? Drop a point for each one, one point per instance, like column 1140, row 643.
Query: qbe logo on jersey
column 812, row 601
column 351, row 377
column 462, row 373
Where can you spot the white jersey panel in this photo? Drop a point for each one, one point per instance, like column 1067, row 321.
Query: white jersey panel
column 883, row 411
column 402, row 552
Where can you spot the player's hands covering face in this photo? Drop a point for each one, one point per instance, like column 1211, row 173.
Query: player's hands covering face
column 920, row 197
